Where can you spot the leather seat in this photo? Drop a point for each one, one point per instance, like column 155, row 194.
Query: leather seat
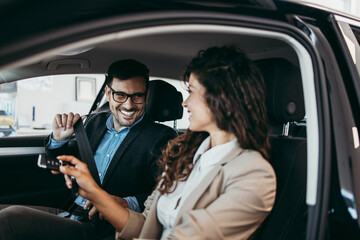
column 285, row 103
column 164, row 102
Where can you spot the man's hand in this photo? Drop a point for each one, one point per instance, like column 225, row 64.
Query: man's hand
column 93, row 211
column 63, row 126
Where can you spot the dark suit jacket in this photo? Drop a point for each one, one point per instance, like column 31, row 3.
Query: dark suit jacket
column 133, row 169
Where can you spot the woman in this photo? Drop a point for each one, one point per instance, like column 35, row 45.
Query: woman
column 217, row 182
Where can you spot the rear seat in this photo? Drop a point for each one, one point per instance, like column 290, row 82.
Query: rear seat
column 285, row 103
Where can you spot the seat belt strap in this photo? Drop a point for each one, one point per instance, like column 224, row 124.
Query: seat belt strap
column 85, row 151
column 86, row 156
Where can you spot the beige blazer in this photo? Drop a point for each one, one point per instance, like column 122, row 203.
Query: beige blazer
column 230, row 203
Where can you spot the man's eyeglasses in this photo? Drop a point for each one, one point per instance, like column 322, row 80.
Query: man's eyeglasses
column 121, row 97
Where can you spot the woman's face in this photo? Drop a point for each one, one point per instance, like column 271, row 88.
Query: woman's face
column 200, row 115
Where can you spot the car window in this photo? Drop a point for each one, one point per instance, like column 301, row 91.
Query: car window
column 29, row 105
column 350, row 31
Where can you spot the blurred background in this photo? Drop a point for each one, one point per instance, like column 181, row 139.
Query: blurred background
column 348, row 6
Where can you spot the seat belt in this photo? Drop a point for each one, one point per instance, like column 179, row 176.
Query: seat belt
column 85, row 151
column 86, row 156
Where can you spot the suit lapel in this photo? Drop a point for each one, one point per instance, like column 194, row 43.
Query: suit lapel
column 96, row 131
column 130, row 137
column 204, row 184
column 97, row 136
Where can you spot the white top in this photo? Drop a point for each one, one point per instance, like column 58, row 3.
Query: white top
column 205, row 159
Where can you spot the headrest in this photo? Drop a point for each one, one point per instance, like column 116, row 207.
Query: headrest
column 284, row 99
column 164, row 103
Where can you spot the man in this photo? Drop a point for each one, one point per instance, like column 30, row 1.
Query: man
column 125, row 143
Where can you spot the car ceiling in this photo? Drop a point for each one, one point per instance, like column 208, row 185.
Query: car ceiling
column 165, row 54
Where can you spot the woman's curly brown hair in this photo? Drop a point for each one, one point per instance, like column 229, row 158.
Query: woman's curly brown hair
column 235, row 94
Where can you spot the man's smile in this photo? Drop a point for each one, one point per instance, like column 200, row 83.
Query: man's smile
column 126, row 113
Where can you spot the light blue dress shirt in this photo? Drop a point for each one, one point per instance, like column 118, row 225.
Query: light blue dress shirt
column 104, row 154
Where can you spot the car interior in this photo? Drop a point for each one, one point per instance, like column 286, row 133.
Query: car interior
column 166, row 51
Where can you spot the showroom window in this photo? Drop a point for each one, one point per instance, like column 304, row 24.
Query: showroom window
column 31, row 104
column 27, row 107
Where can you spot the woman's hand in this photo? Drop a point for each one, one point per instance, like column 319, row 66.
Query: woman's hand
column 93, row 211
column 87, row 185
column 103, row 202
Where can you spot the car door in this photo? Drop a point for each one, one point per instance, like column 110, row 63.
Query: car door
column 335, row 208
column 347, row 32
column 23, row 181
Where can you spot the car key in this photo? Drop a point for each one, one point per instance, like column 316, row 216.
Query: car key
column 54, row 164
column 50, row 163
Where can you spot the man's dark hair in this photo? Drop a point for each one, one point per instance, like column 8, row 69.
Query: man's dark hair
column 127, row 68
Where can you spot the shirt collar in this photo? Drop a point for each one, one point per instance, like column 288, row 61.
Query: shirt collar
column 204, row 146
column 215, row 154
column 110, row 122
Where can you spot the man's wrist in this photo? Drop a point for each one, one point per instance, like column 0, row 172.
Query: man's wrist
column 133, row 204
column 53, row 143
column 58, row 139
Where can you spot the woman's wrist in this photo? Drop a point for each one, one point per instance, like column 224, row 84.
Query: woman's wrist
column 97, row 195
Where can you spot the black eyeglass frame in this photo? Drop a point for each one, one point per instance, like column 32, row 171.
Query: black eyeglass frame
column 127, row 95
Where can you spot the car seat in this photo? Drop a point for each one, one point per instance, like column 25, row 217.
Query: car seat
column 164, row 102
column 285, row 104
